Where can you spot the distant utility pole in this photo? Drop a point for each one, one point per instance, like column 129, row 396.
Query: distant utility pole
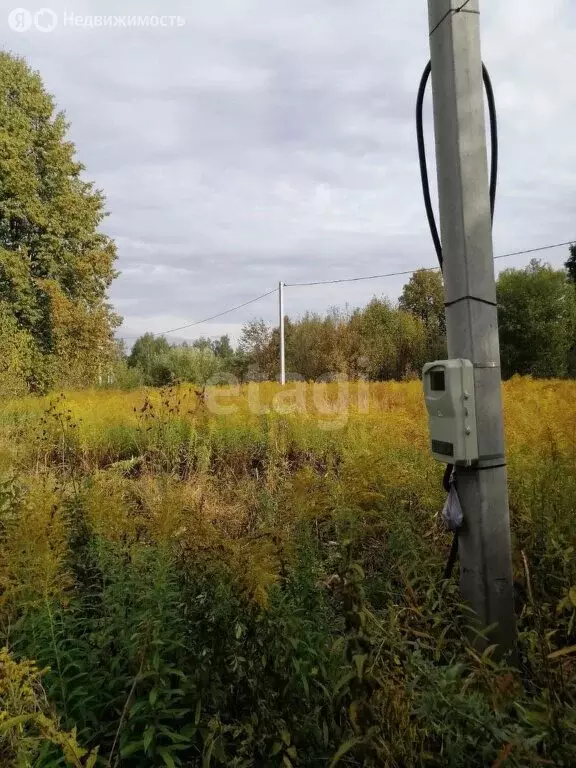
column 471, row 310
column 282, row 345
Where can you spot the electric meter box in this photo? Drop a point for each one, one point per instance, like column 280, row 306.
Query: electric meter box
column 449, row 395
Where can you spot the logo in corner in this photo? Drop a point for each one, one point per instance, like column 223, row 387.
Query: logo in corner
column 45, row 20
column 19, row 20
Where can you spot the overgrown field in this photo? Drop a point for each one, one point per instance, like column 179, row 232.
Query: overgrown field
column 254, row 578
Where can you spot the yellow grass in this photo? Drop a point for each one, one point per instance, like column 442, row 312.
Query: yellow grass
column 311, row 449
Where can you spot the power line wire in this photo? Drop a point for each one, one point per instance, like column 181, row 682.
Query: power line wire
column 214, row 317
column 221, row 314
column 344, row 280
column 354, row 279
column 534, row 250
column 428, row 269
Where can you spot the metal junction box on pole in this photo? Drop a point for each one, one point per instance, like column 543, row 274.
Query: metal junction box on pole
column 450, row 401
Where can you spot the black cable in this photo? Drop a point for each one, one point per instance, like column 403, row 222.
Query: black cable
column 452, row 557
column 454, row 548
column 422, row 152
column 448, row 473
column 423, row 164
column 493, row 138
column 446, row 479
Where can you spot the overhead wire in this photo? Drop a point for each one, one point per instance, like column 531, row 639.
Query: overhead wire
column 427, row 269
column 349, row 280
column 535, row 250
column 219, row 314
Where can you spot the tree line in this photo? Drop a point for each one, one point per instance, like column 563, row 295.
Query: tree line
column 385, row 339
column 58, row 329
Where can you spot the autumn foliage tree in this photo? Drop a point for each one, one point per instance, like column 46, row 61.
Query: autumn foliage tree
column 377, row 342
column 423, row 297
column 55, row 264
column 319, row 345
column 537, row 319
column 391, row 341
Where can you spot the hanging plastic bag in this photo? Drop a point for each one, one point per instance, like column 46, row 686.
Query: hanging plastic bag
column 452, row 513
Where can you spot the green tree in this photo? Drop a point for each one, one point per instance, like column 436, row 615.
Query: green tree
column 118, row 374
column 146, row 355
column 16, row 353
column 239, row 365
column 202, row 343
column 571, row 264
column 223, row 349
column 423, row 297
column 260, row 348
column 537, row 319
column 391, row 342
column 311, row 346
column 55, row 264
column 159, row 363
column 193, row 364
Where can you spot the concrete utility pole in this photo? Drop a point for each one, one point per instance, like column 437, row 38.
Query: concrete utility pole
column 471, row 311
column 282, row 349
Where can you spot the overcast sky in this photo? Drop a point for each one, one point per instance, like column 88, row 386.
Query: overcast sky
column 264, row 141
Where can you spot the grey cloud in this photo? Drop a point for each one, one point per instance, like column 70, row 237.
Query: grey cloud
column 266, row 141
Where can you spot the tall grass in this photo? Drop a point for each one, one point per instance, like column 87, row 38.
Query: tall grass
column 262, row 586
